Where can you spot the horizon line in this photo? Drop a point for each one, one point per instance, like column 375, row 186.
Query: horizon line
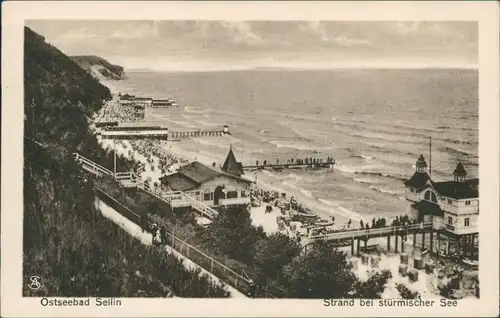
column 286, row 68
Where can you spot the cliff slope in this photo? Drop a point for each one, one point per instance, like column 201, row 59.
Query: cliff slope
column 99, row 67
column 66, row 241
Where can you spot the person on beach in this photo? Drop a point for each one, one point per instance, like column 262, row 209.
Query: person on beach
column 349, row 224
column 361, row 224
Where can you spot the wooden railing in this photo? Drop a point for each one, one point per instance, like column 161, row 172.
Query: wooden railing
column 353, row 234
column 218, row 269
column 91, row 166
column 126, row 179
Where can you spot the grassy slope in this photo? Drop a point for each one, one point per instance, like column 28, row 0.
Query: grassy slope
column 75, row 250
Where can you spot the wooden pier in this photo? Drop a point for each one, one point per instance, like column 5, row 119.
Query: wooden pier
column 179, row 135
column 291, row 166
column 356, row 236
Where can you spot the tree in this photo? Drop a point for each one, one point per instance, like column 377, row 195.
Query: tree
column 233, row 234
column 321, row 273
column 374, row 286
column 406, row 293
column 274, row 252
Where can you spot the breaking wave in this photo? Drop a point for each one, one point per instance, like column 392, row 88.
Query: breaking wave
column 386, row 191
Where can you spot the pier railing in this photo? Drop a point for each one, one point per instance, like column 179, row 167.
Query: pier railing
column 353, row 234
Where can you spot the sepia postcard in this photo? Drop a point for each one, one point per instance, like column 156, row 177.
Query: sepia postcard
column 242, row 159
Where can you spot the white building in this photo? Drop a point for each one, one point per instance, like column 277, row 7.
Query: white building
column 211, row 186
column 453, row 206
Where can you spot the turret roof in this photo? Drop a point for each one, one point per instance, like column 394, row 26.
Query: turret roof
column 231, row 166
column 460, row 170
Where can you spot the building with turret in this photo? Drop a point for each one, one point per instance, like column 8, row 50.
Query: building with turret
column 452, row 206
column 211, row 186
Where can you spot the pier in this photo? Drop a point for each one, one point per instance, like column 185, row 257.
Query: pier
column 291, row 166
column 179, row 135
column 356, row 236
column 313, row 163
column 112, row 130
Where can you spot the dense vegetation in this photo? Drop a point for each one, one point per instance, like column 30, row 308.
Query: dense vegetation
column 106, row 69
column 67, row 242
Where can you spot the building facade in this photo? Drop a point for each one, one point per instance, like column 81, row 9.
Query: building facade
column 209, row 185
column 452, row 206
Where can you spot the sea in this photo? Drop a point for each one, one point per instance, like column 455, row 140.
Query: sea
column 373, row 122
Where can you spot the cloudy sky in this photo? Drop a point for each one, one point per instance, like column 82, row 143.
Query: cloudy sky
column 205, row 45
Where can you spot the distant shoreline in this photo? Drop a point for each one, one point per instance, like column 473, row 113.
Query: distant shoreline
column 305, row 69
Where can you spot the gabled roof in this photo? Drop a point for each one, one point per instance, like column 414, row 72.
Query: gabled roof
column 198, row 172
column 456, row 190
column 473, row 183
column 179, row 182
column 193, row 175
column 231, row 166
column 418, row 180
column 428, row 208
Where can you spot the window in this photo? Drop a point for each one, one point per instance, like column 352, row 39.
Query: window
column 427, row 195
column 450, row 201
column 206, row 196
column 467, row 202
column 450, row 220
column 243, row 194
column 430, row 196
column 467, row 221
column 232, row 194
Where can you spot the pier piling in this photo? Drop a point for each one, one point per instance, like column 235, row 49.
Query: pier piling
column 402, row 245
column 389, row 243
column 359, row 243
column 423, row 239
column 432, row 242
column 352, row 247
column 414, row 239
column 396, row 244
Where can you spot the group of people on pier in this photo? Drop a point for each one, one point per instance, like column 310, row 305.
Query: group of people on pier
column 307, row 161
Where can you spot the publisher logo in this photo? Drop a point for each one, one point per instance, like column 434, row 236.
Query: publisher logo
column 34, row 282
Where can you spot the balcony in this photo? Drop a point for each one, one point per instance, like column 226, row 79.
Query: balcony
column 462, row 230
column 235, row 201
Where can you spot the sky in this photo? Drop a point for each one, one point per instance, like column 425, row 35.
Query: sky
column 213, row 45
